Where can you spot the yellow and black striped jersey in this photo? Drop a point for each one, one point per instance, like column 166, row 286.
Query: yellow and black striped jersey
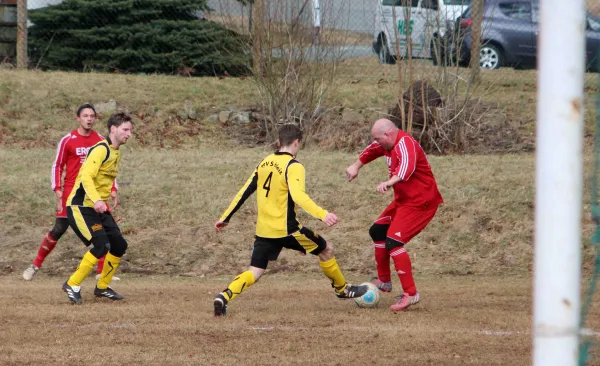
column 96, row 176
column 280, row 185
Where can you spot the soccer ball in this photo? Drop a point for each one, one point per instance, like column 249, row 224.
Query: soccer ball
column 370, row 299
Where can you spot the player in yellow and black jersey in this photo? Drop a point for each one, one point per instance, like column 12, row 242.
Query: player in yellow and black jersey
column 279, row 183
column 88, row 212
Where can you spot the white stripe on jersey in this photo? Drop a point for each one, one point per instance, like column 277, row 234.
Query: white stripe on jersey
column 404, row 161
column 59, row 152
column 372, row 145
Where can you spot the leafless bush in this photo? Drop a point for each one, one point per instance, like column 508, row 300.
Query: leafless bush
column 294, row 63
column 438, row 105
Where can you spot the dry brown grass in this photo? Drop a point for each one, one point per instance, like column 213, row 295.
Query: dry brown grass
column 170, row 200
column 36, row 108
column 282, row 320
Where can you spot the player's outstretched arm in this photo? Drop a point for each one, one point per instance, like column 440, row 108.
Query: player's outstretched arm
column 237, row 202
column 330, row 219
column 220, row 225
column 352, row 170
column 370, row 153
column 296, row 184
column 383, row 187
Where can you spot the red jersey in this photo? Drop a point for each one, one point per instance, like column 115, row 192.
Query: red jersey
column 407, row 160
column 71, row 152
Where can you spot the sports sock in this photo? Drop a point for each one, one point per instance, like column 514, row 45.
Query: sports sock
column 332, row 270
column 238, row 285
column 404, row 270
column 108, row 271
column 100, row 264
column 382, row 259
column 46, row 247
column 83, row 270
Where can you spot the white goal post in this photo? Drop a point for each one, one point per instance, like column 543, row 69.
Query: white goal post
column 559, row 181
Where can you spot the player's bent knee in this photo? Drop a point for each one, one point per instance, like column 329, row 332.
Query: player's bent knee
column 60, row 227
column 327, row 252
column 378, row 232
column 118, row 246
column 101, row 246
column 256, row 272
column 392, row 244
column 259, row 263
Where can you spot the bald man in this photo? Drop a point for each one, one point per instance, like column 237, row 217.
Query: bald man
column 416, row 200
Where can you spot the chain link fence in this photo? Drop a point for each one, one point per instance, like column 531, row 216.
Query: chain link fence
column 386, row 30
column 440, row 69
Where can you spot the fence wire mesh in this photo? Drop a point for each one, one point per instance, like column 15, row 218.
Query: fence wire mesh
column 422, row 61
column 387, row 30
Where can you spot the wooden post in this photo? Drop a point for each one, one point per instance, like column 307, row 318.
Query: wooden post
column 22, row 34
column 477, row 18
column 258, row 19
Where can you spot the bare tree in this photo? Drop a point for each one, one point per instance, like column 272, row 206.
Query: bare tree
column 292, row 69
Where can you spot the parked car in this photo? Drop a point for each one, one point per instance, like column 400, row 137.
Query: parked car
column 428, row 22
column 509, row 35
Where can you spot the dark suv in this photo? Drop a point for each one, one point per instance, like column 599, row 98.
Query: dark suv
column 509, row 35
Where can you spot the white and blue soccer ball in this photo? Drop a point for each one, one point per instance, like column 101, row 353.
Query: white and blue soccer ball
column 370, row 299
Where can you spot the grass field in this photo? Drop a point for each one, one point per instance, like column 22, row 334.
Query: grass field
column 170, row 200
column 473, row 263
column 281, row 320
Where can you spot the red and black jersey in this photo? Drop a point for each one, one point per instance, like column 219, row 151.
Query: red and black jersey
column 407, row 160
column 71, row 152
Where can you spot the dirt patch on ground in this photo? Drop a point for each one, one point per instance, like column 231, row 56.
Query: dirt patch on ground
column 168, row 320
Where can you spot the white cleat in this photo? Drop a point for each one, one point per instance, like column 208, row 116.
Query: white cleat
column 30, row 272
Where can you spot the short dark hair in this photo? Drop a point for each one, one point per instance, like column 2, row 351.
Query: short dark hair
column 288, row 133
column 85, row 106
column 117, row 119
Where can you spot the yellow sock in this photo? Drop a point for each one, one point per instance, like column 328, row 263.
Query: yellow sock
column 333, row 271
column 239, row 284
column 85, row 268
column 108, row 271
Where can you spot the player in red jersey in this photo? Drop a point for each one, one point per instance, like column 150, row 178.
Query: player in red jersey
column 416, row 200
column 71, row 152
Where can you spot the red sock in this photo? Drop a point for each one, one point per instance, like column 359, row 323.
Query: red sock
column 382, row 258
column 404, row 269
column 100, row 264
column 45, row 248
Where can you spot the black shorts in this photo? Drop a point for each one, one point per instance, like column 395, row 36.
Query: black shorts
column 268, row 249
column 87, row 223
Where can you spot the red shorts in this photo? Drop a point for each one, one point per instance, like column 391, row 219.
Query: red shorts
column 405, row 221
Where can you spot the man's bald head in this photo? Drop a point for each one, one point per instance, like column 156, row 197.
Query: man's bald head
column 383, row 125
column 384, row 132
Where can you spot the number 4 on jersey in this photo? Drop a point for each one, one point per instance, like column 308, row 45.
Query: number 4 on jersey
column 267, row 185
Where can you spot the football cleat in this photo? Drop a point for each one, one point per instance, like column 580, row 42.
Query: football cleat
column 220, row 304
column 382, row 286
column 352, row 291
column 404, row 301
column 74, row 293
column 108, row 293
column 30, row 272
